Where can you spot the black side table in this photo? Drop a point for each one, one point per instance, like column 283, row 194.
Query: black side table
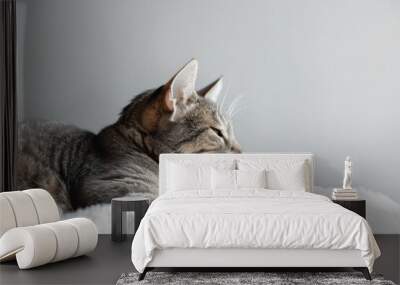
column 119, row 207
column 357, row 206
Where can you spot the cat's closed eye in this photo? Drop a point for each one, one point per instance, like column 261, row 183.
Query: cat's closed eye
column 218, row 132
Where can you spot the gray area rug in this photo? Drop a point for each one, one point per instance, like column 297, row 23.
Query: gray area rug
column 273, row 278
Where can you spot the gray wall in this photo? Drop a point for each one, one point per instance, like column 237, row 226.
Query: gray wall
column 319, row 76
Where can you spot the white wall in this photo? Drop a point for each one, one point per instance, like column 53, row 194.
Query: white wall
column 319, row 76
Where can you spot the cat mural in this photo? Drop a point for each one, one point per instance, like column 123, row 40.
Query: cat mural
column 80, row 168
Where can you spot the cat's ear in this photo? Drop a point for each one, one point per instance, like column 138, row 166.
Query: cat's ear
column 212, row 90
column 181, row 88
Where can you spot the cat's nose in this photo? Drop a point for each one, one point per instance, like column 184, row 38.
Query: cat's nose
column 236, row 148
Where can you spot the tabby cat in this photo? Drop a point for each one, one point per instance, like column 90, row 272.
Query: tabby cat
column 80, row 168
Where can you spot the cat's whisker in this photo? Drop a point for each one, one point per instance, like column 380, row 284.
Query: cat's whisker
column 229, row 109
column 234, row 105
column 223, row 98
column 238, row 110
column 226, row 95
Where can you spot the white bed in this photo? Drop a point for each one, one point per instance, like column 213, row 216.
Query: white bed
column 249, row 227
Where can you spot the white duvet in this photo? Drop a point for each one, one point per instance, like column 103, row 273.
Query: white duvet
column 250, row 218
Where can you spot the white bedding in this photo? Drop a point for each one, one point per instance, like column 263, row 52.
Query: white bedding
column 251, row 218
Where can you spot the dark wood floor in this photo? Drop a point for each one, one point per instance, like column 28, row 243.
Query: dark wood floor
column 110, row 260
column 103, row 266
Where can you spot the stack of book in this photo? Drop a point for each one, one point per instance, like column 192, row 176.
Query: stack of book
column 344, row 194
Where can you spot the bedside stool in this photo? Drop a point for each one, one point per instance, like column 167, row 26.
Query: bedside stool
column 119, row 206
column 357, row 206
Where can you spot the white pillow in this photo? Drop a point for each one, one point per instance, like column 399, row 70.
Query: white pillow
column 193, row 174
column 181, row 177
column 281, row 174
column 223, row 179
column 235, row 179
column 251, row 178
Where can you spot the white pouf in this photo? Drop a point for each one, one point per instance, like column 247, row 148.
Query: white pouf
column 31, row 232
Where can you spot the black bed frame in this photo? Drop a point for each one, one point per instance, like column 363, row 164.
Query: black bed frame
column 364, row 270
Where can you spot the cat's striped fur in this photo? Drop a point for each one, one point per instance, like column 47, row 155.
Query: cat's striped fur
column 80, row 168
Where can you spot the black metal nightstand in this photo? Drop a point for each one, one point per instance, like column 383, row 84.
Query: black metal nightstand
column 357, row 206
column 119, row 206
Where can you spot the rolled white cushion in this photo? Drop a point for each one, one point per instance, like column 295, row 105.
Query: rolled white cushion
column 87, row 235
column 41, row 244
column 67, row 239
column 33, row 246
column 46, row 207
column 26, row 208
column 23, row 208
column 7, row 219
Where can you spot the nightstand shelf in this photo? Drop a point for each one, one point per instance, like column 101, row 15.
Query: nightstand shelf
column 357, row 206
column 119, row 206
